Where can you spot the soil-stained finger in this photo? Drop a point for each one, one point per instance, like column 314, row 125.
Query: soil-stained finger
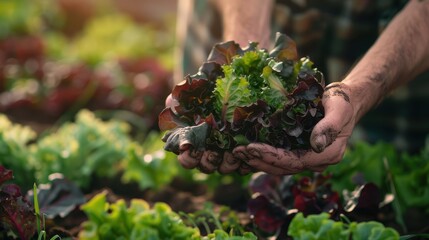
column 189, row 159
column 210, row 161
column 229, row 163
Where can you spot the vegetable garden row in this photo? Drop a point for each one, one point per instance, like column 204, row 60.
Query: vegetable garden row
column 95, row 181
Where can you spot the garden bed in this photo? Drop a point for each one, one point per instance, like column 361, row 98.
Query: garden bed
column 80, row 123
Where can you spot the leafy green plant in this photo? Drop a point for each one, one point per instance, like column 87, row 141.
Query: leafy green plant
column 14, row 152
column 81, row 149
column 246, row 95
column 220, row 222
column 394, row 172
column 363, row 162
column 91, row 147
column 410, row 177
column 222, row 235
column 149, row 165
column 116, row 36
column 138, row 221
column 18, row 17
column 321, row 227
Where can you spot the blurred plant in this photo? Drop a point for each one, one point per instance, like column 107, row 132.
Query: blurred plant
column 410, row 178
column 401, row 174
column 18, row 17
column 212, row 222
column 222, row 235
column 57, row 198
column 137, row 86
column 82, row 149
column 321, row 227
column 138, row 221
column 276, row 200
column 90, row 147
column 363, row 163
column 148, row 164
column 14, row 152
column 115, row 36
column 17, row 217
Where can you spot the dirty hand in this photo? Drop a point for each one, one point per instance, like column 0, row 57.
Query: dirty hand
column 328, row 139
column 207, row 161
column 210, row 161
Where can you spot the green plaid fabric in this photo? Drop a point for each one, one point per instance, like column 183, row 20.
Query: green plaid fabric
column 334, row 34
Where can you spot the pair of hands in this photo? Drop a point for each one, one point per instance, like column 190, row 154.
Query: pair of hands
column 328, row 141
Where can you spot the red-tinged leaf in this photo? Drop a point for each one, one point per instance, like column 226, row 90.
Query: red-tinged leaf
column 314, row 195
column 222, row 53
column 193, row 96
column 264, row 184
column 12, row 190
column 267, row 216
column 17, row 215
column 61, row 99
column 365, row 198
column 210, row 120
column 309, row 90
column 300, row 203
column 181, row 86
column 168, row 120
column 210, row 71
column 252, row 114
column 20, row 103
column 5, row 175
column 370, row 197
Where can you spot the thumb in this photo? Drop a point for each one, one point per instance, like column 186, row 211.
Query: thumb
column 337, row 120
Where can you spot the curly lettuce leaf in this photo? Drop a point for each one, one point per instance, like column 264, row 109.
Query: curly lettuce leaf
column 231, row 92
column 223, row 53
column 276, row 94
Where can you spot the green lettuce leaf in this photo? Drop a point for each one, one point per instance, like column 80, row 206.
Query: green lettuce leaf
column 231, row 92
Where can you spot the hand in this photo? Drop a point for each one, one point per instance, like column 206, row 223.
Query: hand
column 328, row 139
column 211, row 161
column 208, row 161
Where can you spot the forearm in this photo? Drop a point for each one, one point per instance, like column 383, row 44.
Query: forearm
column 246, row 20
column 398, row 56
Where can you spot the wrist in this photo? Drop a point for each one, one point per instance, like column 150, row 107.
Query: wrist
column 244, row 24
column 243, row 37
column 363, row 94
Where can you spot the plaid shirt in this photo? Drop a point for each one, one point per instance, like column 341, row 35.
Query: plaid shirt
column 334, row 34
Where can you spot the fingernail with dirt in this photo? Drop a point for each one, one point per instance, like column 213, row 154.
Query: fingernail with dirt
column 320, row 143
